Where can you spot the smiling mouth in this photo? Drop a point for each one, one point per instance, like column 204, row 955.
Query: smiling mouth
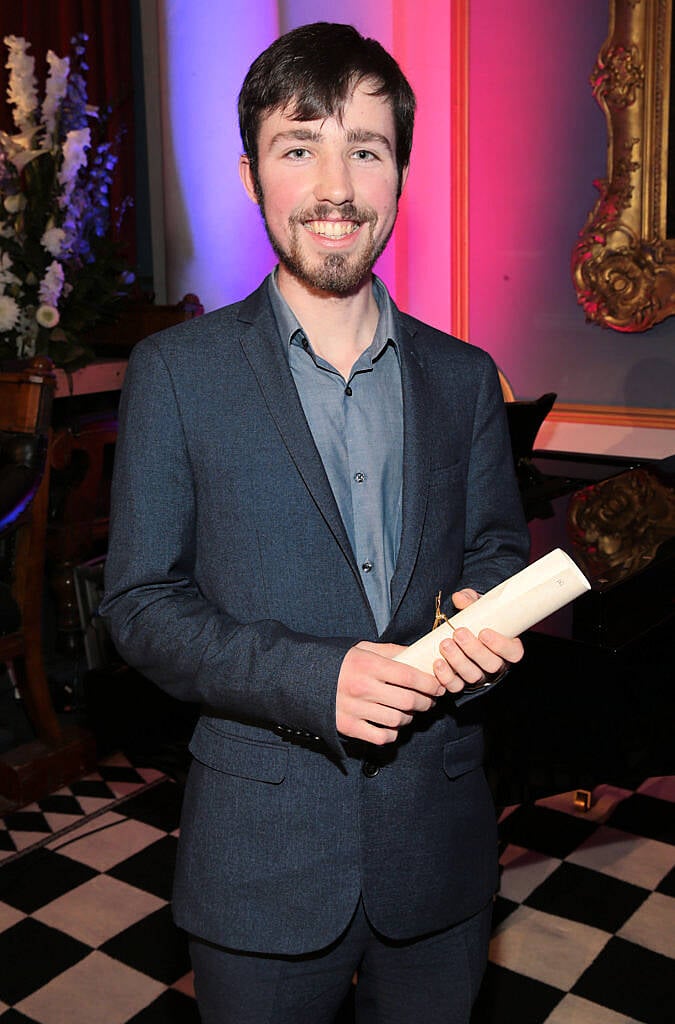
column 334, row 229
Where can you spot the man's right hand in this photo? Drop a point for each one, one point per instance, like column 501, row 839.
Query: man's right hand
column 377, row 696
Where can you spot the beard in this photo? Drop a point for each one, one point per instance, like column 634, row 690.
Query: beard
column 335, row 273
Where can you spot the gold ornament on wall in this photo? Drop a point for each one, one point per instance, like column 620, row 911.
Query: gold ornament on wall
column 617, row 526
column 623, row 265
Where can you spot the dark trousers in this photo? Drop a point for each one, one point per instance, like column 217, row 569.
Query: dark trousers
column 434, row 979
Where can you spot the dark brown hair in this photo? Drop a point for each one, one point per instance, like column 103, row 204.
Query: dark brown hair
column 312, row 71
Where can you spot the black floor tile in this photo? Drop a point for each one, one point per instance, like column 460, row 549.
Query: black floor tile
column 150, row 870
column 92, row 787
column 38, row 877
column 506, row 998
column 158, row 806
column 667, row 884
column 6, row 842
column 170, row 1008
column 593, row 898
column 119, row 773
column 501, row 910
column 545, row 830
column 632, row 981
column 37, row 954
column 27, row 821
column 153, row 946
column 14, row 1017
column 645, row 816
column 60, row 803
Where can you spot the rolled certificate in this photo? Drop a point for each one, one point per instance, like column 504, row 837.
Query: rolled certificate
column 510, row 608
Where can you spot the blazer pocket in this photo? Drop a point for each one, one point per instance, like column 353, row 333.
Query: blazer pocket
column 463, row 755
column 262, row 762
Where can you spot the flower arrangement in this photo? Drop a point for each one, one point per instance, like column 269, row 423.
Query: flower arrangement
column 60, row 272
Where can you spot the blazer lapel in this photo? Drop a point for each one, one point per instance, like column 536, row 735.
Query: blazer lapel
column 417, row 442
column 265, row 355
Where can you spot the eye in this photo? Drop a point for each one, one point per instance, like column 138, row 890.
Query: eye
column 363, row 155
column 299, row 153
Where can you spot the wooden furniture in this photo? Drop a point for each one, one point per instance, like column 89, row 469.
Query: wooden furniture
column 56, row 755
column 593, row 700
column 82, row 452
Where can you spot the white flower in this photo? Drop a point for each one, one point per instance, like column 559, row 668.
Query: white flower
column 47, row 316
column 7, row 276
column 74, row 156
column 57, row 84
column 22, row 88
column 15, row 203
column 9, row 312
column 52, row 240
column 51, row 285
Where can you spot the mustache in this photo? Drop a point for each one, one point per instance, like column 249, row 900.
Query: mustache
column 326, row 211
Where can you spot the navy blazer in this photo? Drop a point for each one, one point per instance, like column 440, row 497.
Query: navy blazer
column 230, row 581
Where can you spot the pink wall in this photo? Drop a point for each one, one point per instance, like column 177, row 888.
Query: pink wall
column 538, row 141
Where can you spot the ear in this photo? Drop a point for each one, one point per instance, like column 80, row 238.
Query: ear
column 247, row 179
column 404, row 176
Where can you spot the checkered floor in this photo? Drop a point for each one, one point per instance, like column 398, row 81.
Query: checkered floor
column 584, row 929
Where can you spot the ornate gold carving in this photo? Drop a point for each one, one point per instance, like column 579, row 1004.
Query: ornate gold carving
column 618, row 525
column 617, row 76
column 623, row 266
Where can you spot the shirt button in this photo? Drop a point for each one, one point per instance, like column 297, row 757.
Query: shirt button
column 367, row 566
column 369, row 769
column 348, row 391
column 359, row 477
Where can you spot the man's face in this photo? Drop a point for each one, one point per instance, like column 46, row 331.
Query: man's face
column 328, row 191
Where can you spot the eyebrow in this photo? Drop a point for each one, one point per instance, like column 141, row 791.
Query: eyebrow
column 354, row 135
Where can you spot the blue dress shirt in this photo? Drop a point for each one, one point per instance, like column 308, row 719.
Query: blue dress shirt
column 357, row 426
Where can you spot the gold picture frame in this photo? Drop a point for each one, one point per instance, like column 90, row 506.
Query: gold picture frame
column 623, row 266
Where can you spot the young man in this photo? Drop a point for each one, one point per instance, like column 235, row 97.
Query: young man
column 297, row 476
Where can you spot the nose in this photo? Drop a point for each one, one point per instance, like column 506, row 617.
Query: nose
column 334, row 181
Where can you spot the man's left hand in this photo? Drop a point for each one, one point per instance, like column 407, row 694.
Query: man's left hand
column 474, row 660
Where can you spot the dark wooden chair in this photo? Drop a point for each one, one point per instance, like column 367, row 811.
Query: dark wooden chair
column 25, row 409
column 82, row 453
column 26, row 391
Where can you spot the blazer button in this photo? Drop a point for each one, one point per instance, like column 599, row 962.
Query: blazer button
column 369, row 769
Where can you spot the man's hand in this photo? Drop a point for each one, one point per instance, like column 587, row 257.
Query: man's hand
column 474, row 660
column 377, row 696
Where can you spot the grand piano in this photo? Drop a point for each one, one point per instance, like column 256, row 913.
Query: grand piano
column 594, row 699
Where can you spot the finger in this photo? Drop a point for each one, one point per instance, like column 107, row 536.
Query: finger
column 470, row 659
column 474, row 648
column 447, row 677
column 463, row 598
column 510, row 649
column 399, row 698
column 359, row 729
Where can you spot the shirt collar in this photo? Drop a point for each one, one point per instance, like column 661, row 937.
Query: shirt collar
column 292, row 332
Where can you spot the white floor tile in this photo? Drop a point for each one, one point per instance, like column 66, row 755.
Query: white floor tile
column 117, row 991
column 58, row 821
column 653, row 925
column 22, row 840
column 98, row 909
column 9, row 916
column 628, row 857
column 551, row 949
column 662, row 787
column 524, row 870
column 572, row 1010
column 102, row 848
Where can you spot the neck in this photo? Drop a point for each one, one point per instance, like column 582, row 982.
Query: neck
column 340, row 327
